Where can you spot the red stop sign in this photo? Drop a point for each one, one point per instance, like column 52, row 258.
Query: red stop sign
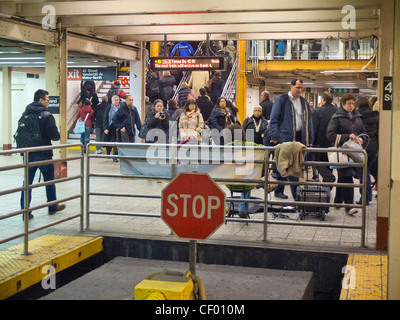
column 193, row 206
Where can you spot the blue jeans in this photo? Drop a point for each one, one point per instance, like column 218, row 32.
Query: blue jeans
column 371, row 160
column 48, row 174
column 281, row 187
column 244, row 206
column 85, row 137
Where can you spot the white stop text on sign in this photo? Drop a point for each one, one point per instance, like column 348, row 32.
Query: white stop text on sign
column 199, row 204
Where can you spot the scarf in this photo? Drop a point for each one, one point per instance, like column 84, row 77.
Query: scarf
column 113, row 110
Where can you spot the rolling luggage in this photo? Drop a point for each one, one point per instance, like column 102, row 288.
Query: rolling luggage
column 313, row 194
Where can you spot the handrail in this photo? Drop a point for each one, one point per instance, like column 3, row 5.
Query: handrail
column 174, row 161
column 229, row 90
column 26, row 187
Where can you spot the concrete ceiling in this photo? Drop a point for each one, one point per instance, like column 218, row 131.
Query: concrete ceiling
column 127, row 23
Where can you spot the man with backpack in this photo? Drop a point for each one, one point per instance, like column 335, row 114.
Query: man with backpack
column 37, row 127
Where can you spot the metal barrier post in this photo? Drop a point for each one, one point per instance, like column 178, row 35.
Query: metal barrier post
column 26, row 202
column 266, row 184
column 27, row 187
column 87, row 193
column 364, row 200
column 82, row 179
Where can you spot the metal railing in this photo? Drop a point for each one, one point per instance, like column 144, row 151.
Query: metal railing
column 229, row 91
column 320, row 49
column 25, row 165
column 174, row 160
column 187, row 74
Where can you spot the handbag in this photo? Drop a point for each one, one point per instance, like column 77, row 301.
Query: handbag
column 143, row 130
column 80, row 125
column 355, row 145
column 337, row 156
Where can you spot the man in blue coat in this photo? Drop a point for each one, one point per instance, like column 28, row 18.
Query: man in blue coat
column 184, row 49
column 291, row 120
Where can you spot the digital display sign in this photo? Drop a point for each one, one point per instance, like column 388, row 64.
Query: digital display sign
column 187, row 63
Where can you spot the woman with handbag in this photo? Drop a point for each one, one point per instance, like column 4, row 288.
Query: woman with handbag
column 347, row 123
column 86, row 114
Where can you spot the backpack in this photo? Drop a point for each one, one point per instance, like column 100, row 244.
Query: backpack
column 177, row 53
column 153, row 89
column 28, row 133
column 183, row 94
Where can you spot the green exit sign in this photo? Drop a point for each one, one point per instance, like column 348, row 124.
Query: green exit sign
column 344, row 90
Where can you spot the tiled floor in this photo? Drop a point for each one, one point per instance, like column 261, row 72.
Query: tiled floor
column 231, row 232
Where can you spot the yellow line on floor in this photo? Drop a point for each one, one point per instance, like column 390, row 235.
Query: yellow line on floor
column 18, row 271
column 365, row 277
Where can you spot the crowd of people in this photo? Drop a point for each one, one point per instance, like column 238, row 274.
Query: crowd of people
column 289, row 118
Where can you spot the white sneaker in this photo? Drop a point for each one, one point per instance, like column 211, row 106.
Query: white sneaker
column 352, row 211
column 97, row 151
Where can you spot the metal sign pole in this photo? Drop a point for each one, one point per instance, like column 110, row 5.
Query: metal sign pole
column 192, row 256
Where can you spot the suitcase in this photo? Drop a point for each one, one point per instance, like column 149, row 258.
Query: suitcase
column 313, row 194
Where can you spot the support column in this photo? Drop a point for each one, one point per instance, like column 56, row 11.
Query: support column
column 241, row 87
column 6, row 109
column 394, row 213
column 155, row 49
column 136, row 77
column 385, row 67
column 56, row 85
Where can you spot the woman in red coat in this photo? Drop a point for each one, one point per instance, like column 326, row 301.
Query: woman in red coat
column 86, row 112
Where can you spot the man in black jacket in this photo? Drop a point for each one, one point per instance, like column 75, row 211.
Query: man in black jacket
column 266, row 105
column 110, row 133
column 99, row 116
column 205, row 104
column 322, row 116
column 49, row 132
column 125, row 120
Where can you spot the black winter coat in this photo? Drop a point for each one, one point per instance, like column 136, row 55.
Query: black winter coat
column 248, row 124
column 341, row 123
column 217, row 118
column 127, row 118
column 157, row 123
column 266, row 106
column 205, row 106
column 321, row 119
column 370, row 119
column 48, row 128
column 167, row 87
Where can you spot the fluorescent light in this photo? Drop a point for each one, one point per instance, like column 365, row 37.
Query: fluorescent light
column 22, row 58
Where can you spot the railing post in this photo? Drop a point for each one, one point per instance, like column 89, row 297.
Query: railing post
column 82, row 189
column 26, row 202
column 364, row 200
column 87, row 186
column 266, row 184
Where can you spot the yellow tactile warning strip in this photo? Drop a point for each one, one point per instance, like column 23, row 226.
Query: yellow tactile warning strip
column 18, row 271
column 365, row 278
